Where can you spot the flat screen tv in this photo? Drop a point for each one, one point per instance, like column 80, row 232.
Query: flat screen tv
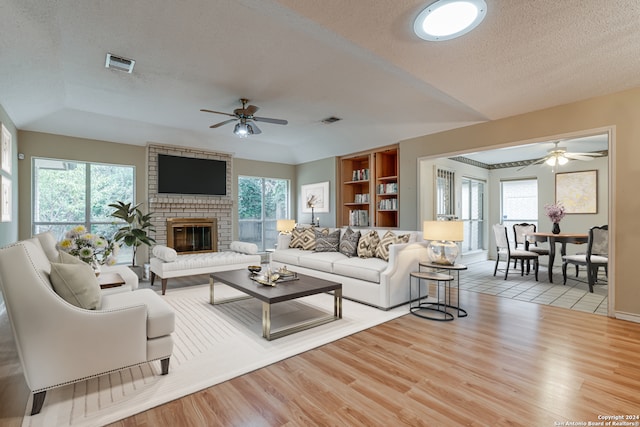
column 188, row 175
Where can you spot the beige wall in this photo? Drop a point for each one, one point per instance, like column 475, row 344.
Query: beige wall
column 618, row 112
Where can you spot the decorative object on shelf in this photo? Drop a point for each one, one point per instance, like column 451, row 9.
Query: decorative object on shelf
column 284, row 226
column 555, row 213
column 442, row 236
column 91, row 248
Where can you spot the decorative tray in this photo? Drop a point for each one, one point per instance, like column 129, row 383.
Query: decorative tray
column 277, row 277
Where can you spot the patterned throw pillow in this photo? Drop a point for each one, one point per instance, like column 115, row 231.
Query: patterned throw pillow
column 296, row 238
column 349, row 242
column 382, row 251
column 325, row 241
column 307, row 239
column 367, row 244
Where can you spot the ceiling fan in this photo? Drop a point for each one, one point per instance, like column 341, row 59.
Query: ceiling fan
column 245, row 117
column 559, row 156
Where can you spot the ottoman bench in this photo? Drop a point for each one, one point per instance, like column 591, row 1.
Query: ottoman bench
column 167, row 264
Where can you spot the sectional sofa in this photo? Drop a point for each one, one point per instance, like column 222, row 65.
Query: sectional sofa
column 374, row 275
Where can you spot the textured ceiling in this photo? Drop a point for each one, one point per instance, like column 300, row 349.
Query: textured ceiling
column 300, row 60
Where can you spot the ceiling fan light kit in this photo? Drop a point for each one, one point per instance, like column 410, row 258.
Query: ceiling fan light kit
column 448, row 19
column 246, row 118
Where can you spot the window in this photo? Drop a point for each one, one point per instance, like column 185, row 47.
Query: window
column 445, row 191
column 261, row 202
column 472, row 214
column 70, row 193
column 519, row 203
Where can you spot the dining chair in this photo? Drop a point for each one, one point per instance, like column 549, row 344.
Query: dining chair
column 505, row 252
column 520, row 232
column 597, row 256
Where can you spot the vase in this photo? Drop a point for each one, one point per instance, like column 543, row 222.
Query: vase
column 556, row 228
column 96, row 268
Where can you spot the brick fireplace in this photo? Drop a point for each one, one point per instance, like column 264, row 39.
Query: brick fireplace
column 186, row 206
column 192, row 235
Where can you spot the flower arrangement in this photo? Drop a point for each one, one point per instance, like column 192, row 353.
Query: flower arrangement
column 555, row 212
column 90, row 248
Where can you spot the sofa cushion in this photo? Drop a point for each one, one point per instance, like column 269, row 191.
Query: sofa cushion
column 389, row 238
column 367, row 244
column 303, row 238
column 288, row 256
column 165, row 253
column 244, row 247
column 322, row 261
column 77, row 284
column 349, row 242
column 326, row 241
column 160, row 315
column 364, row 269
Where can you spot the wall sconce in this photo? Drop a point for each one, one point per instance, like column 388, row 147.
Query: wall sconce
column 442, row 236
column 285, row 226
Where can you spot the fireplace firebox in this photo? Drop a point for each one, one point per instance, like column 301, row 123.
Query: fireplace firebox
column 192, row 235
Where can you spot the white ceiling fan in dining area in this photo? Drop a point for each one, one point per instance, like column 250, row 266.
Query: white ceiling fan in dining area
column 559, row 156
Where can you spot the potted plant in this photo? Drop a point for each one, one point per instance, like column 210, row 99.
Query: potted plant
column 134, row 232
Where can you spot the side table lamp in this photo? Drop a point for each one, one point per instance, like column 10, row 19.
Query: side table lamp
column 442, row 236
column 284, row 226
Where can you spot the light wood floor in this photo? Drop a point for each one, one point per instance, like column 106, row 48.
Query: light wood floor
column 508, row 363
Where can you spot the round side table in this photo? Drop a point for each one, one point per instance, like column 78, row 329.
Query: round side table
column 449, row 269
column 438, row 305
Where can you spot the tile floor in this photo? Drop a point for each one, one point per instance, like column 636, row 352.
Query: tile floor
column 575, row 295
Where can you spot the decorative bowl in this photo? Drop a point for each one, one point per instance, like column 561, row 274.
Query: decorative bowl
column 254, row 268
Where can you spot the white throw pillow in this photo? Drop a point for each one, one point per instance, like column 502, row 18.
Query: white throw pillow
column 77, row 284
column 244, row 247
column 165, row 253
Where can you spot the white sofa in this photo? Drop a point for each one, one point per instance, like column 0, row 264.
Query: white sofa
column 372, row 281
column 167, row 264
column 60, row 343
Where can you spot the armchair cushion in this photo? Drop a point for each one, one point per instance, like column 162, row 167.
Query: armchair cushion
column 67, row 258
column 77, row 284
column 160, row 315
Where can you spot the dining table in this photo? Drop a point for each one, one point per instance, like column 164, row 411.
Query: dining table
column 562, row 238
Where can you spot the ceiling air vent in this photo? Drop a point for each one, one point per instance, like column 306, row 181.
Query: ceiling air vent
column 330, row 120
column 119, row 63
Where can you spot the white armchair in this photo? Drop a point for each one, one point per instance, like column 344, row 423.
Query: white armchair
column 59, row 343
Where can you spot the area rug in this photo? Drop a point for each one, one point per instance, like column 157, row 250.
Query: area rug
column 212, row 344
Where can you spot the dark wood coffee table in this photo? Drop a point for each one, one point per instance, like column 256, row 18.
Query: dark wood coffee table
column 285, row 291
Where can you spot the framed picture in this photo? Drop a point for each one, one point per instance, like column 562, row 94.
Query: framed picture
column 578, row 191
column 315, row 196
column 5, row 149
column 5, row 199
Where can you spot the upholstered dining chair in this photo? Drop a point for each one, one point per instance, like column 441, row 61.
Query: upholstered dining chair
column 507, row 254
column 597, row 256
column 520, row 232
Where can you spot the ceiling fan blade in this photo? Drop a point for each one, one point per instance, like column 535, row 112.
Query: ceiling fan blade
column 251, row 110
column 273, row 121
column 585, row 154
column 217, row 112
column 217, row 125
column 256, row 129
column 578, row 156
column 537, row 162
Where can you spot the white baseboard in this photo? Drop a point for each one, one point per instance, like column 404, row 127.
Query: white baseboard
column 631, row 317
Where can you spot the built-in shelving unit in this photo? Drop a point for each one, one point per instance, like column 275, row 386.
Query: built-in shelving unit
column 369, row 188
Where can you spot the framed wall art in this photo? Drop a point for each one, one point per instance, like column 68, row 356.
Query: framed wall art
column 578, row 191
column 315, row 197
column 5, row 149
column 5, row 199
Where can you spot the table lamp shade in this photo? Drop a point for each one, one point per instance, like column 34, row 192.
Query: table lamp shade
column 441, row 236
column 285, row 225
